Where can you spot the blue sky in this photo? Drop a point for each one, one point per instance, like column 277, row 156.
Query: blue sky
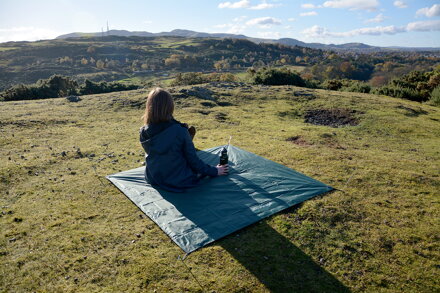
column 408, row 23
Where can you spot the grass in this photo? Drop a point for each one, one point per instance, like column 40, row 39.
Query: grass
column 65, row 228
column 7, row 48
column 298, row 69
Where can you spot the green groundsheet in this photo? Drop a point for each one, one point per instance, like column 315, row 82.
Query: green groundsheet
column 255, row 188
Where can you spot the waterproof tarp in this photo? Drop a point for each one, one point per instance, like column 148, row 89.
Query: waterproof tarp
column 255, row 188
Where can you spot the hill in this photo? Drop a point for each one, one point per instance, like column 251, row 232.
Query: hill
column 141, row 58
column 65, row 228
column 360, row 47
column 118, row 57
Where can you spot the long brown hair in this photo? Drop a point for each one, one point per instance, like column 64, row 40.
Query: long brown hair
column 159, row 107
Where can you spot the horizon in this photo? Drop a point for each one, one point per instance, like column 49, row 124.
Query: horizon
column 406, row 23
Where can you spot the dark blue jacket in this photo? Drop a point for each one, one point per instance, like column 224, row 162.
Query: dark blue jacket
column 171, row 161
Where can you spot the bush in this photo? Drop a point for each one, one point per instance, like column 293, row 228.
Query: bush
column 399, row 92
column 357, row 86
column 332, row 84
column 90, row 87
column 53, row 87
column 56, row 86
column 190, row 78
column 273, row 76
column 19, row 92
column 435, row 96
column 312, row 84
column 60, row 86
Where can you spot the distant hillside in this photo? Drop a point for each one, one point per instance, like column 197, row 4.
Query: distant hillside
column 116, row 57
column 286, row 41
column 173, row 33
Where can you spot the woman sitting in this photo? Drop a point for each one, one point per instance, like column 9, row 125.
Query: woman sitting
column 171, row 160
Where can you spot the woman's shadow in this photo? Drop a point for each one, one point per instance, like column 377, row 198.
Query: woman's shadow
column 277, row 263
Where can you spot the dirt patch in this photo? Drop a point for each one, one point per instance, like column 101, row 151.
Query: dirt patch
column 295, row 113
column 126, row 103
column 203, row 112
column 331, row 117
column 224, row 104
column 221, row 117
column 306, row 95
column 73, row 99
column 412, row 112
column 298, row 140
column 329, row 140
column 33, row 123
column 208, row 104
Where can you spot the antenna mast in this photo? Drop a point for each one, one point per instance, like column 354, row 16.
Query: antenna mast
column 107, row 28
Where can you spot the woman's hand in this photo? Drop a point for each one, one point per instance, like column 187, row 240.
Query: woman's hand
column 222, row 170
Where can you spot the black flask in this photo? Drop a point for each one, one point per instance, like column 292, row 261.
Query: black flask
column 224, row 156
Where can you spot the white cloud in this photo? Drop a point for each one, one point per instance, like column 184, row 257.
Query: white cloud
column 231, row 28
column 264, row 5
column 263, row 22
column 316, row 32
column 308, row 6
column 26, row 34
column 424, row 26
column 235, row 5
column 400, row 4
column 379, row 18
column 311, row 13
column 320, row 32
column 291, row 19
column 429, row 11
column 147, row 22
column 374, row 31
column 247, row 4
column 238, row 26
column 370, row 5
column 239, row 19
column 420, row 26
column 224, row 25
column 269, row 35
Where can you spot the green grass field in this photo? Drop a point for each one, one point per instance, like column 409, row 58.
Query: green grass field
column 65, row 228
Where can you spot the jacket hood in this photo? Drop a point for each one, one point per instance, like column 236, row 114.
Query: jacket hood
column 156, row 137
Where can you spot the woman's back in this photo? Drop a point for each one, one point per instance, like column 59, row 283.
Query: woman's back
column 171, row 161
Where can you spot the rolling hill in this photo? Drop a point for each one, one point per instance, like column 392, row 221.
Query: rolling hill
column 360, row 47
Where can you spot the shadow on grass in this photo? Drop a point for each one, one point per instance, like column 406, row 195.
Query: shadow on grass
column 277, row 263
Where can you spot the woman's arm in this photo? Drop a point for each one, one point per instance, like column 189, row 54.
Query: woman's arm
column 194, row 161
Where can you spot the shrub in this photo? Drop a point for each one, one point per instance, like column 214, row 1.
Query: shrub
column 56, row 86
column 90, row 87
column 53, row 87
column 312, row 84
column 357, row 86
column 273, row 76
column 19, row 92
column 332, row 84
column 435, row 96
column 60, row 86
column 190, row 78
column 399, row 92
